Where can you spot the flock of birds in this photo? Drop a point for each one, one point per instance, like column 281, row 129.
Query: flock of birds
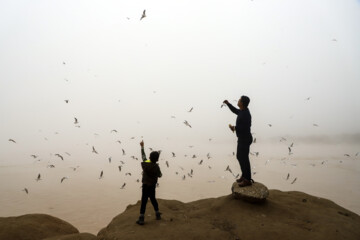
column 186, row 123
column 184, row 176
column 194, row 156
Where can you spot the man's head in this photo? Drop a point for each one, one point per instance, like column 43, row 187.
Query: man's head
column 243, row 102
column 154, row 156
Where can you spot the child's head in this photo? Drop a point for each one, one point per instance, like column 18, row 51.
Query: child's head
column 154, row 156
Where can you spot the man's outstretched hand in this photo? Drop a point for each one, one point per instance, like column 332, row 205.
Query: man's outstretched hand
column 226, row 102
column 142, row 143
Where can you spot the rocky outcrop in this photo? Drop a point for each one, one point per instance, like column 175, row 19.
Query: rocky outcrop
column 284, row 215
column 256, row 193
column 76, row 236
column 33, row 227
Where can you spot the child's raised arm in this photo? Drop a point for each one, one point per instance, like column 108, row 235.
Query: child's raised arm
column 143, row 156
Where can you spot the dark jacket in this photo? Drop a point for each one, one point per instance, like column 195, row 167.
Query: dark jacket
column 243, row 122
column 151, row 171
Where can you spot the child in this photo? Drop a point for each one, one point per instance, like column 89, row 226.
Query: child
column 151, row 173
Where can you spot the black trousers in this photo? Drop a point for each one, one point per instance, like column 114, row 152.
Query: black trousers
column 148, row 192
column 242, row 155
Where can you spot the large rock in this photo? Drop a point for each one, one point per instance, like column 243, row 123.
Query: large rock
column 284, row 215
column 257, row 192
column 33, row 227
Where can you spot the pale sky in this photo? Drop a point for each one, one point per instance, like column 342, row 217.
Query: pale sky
column 130, row 75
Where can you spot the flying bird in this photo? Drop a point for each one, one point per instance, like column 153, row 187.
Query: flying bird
column 289, row 150
column 62, row 179
column 34, row 156
column 191, row 109
column 122, row 187
column 254, row 140
column 67, row 101
column 201, row 162
column 127, row 174
column 187, row 123
column 26, row 190
column 58, row 155
column 38, row 177
column 167, row 163
column 12, row 140
column 287, row 178
column 114, row 130
column 109, row 159
column 93, row 150
column 315, row 125
column 64, row 63
column 270, row 125
column 76, row 121
column 173, row 154
column 228, row 169
column 293, row 181
column 208, row 156
column 101, row 174
column 123, row 151
column 51, row 166
column 143, row 15
column 119, row 168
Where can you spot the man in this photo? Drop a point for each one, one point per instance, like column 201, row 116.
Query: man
column 242, row 129
column 151, row 173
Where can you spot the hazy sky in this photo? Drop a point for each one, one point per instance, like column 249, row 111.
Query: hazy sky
column 130, row 75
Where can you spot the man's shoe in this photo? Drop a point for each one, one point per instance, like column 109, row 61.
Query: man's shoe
column 245, row 183
column 240, row 179
column 158, row 216
column 140, row 221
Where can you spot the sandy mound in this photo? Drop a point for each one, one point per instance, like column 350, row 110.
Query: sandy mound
column 284, row 215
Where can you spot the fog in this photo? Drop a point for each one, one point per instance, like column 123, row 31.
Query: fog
column 298, row 61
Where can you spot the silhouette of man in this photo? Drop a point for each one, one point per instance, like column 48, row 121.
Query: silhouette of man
column 243, row 133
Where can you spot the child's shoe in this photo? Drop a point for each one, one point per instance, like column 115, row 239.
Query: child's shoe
column 140, row 221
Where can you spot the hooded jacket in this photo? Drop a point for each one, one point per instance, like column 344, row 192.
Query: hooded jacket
column 151, row 171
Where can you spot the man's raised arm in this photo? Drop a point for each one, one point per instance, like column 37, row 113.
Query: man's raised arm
column 232, row 108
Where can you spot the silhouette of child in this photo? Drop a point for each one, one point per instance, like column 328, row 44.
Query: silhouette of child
column 151, row 173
